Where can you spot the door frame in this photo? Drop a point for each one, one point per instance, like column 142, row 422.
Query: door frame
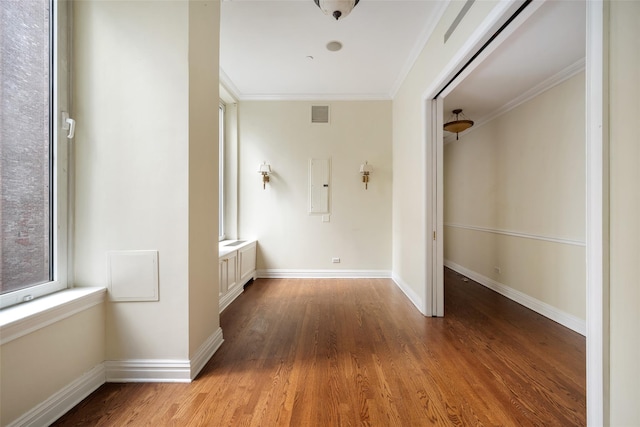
column 596, row 181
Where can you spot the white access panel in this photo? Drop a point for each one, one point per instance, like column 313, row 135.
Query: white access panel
column 132, row 275
column 319, row 176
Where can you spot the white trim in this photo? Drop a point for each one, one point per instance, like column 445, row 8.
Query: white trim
column 59, row 227
column 233, row 90
column 597, row 206
column 527, row 96
column 565, row 319
column 322, row 274
column 429, row 134
column 413, row 297
column 226, row 81
column 205, row 352
column 433, row 139
column 163, row 370
column 148, row 371
column 228, row 297
column 471, row 45
column 316, row 97
column 69, row 396
column 438, row 211
column 25, row 318
column 63, row 400
column 418, row 47
column 518, row 234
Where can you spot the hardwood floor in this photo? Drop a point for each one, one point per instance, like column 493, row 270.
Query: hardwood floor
column 336, row 352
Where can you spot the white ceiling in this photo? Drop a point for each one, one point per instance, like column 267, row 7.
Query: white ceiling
column 265, row 44
column 547, row 48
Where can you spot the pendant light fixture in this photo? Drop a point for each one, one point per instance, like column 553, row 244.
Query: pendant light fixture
column 336, row 8
column 456, row 126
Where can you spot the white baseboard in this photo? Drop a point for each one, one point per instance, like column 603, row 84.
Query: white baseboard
column 63, row 400
column 549, row 311
column 163, row 370
column 228, row 298
column 322, row 274
column 204, row 353
column 152, row 370
column 148, row 371
column 413, row 297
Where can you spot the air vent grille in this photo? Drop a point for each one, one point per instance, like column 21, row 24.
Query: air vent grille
column 319, row 114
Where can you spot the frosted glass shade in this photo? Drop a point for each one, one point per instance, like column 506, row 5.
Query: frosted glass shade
column 365, row 168
column 264, row 168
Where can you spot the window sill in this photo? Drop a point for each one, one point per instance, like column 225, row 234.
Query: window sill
column 25, row 318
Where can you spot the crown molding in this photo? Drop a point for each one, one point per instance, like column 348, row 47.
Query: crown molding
column 230, row 87
column 228, row 84
column 418, row 47
column 316, row 97
column 532, row 93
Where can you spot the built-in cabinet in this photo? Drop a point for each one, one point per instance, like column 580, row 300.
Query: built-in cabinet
column 237, row 265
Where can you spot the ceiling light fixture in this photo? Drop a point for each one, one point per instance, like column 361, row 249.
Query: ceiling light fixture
column 456, row 126
column 336, row 8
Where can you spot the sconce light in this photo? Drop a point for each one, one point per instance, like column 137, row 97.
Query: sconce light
column 365, row 170
column 265, row 170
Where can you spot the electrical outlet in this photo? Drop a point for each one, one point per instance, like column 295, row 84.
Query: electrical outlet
column 335, row 260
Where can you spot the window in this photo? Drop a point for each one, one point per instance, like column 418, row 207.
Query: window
column 221, row 142
column 33, row 160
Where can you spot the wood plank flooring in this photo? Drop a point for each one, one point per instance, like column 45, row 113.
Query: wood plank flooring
column 336, row 352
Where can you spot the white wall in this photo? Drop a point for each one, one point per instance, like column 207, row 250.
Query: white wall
column 146, row 101
column 625, row 214
column 38, row 365
column 204, row 99
column 360, row 222
column 132, row 167
column 410, row 215
column 523, row 173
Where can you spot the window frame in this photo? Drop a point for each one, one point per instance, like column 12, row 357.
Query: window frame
column 221, row 169
column 59, row 89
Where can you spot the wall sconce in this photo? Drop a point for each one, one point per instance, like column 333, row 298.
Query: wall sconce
column 265, row 170
column 365, row 170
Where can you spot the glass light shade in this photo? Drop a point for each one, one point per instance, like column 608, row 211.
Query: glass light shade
column 365, row 168
column 457, row 126
column 264, row 168
column 337, row 8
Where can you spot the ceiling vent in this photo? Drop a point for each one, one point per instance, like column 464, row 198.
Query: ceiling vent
column 319, row 114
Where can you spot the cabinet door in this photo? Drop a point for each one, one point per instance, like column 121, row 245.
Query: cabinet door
column 232, row 270
column 222, row 269
column 247, row 262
